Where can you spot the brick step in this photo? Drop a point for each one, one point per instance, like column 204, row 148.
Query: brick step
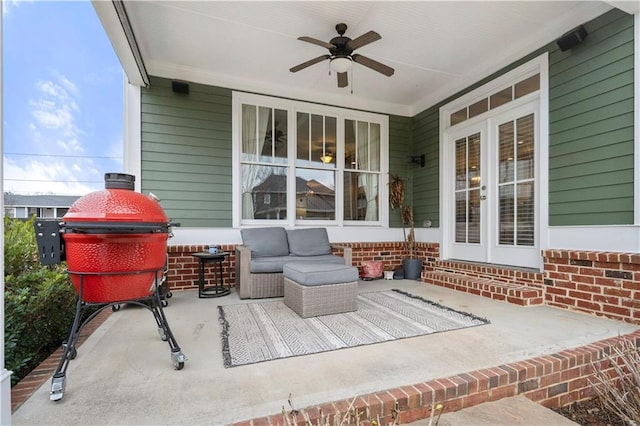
column 517, row 294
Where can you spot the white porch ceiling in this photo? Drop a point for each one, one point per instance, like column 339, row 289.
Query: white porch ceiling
column 436, row 48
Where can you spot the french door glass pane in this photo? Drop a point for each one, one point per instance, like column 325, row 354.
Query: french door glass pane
column 360, row 196
column 506, row 214
column 525, row 236
column 517, row 182
column 507, row 161
column 468, row 182
column 315, row 194
column 461, row 217
column 525, row 144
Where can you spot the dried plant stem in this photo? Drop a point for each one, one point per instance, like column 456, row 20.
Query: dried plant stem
column 619, row 388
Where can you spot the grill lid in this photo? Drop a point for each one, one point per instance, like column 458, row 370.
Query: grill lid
column 116, row 209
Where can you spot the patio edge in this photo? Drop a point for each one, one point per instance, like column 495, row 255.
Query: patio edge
column 553, row 380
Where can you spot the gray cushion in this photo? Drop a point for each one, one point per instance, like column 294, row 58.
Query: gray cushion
column 317, row 273
column 276, row 264
column 265, row 241
column 308, row 242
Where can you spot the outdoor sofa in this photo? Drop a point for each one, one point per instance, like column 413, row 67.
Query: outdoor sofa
column 264, row 252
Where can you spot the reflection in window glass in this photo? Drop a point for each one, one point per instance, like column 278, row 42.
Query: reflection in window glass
column 264, row 192
column 302, row 142
column 315, row 194
column 350, row 144
column 361, row 196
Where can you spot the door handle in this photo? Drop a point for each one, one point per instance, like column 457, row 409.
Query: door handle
column 483, row 197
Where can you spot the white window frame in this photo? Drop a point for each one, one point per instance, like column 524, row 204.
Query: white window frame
column 538, row 65
column 293, row 107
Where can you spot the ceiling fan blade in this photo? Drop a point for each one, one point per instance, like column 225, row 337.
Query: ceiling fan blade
column 374, row 65
column 309, row 63
column 317, row 42
column 343, row 79
column 363, row 40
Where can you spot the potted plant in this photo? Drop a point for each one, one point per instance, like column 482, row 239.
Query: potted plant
column 412, row 265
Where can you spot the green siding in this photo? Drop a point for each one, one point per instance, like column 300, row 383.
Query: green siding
column 186, row 140
column 399, row 147
column 186, row 152
column 591, row 129
column 426, row 180
column 591, row 126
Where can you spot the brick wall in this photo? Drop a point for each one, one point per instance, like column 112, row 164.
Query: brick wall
column 601, row 283
column 553, row 380
column 183, row 267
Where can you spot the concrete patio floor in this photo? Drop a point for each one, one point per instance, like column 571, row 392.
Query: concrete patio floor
column 123, row 373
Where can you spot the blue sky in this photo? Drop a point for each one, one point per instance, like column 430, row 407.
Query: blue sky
column 62, row 99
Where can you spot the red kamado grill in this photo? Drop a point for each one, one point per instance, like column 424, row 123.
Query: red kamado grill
column 115, row 245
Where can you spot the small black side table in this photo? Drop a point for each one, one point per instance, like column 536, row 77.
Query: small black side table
column 217, row 289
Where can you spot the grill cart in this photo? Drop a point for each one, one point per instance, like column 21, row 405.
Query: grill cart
column 115, row 245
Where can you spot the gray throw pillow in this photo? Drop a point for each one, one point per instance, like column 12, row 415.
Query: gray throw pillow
column 265, row 242
column 308, row 242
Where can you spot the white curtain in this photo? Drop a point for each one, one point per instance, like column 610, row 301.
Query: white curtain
column 254, row 128
column 368, row 145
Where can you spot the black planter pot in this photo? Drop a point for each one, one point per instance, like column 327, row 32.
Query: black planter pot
column 412, row 269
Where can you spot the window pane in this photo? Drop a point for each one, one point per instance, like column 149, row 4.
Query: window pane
column 461, row 217
column 458, row 116
column 461, row 163
column 474, row 161
column 249, row 139
column 349, row 144
column 500, row 98
column 362, row 146
column 315, row 194
column 374, row 147
column 280, row 136
column 527, row 86
column 330, row 140
column 525, row 147
column 361, row 196
column 317, row 138
column 473, row 213
column 479, row 107
column 264, row 192
column 505, row 135
column 526, row 214
column 302, row 143
column 507, row 214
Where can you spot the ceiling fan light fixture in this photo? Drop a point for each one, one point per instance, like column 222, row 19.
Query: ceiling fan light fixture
column 327, row 158
column 340, row 64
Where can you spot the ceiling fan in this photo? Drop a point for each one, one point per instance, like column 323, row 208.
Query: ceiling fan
column 341, row 54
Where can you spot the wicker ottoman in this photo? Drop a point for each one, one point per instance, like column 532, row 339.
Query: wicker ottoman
column 313, row 288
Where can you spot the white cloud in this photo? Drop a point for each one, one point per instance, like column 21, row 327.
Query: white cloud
column 50, row 177
column 55, row 109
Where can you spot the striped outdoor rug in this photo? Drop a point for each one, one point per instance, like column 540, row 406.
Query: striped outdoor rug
column 263, row 331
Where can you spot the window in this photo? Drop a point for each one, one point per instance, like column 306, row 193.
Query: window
column 300, row 163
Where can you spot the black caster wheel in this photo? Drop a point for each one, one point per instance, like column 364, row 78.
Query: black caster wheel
column 115, row 308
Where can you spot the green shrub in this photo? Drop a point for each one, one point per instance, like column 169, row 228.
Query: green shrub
column 39, row 301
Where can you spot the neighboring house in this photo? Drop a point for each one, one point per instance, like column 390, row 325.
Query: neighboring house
column 41, row 206
column 532, row 173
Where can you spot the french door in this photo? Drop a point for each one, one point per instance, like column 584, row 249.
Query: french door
column 492, row 189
